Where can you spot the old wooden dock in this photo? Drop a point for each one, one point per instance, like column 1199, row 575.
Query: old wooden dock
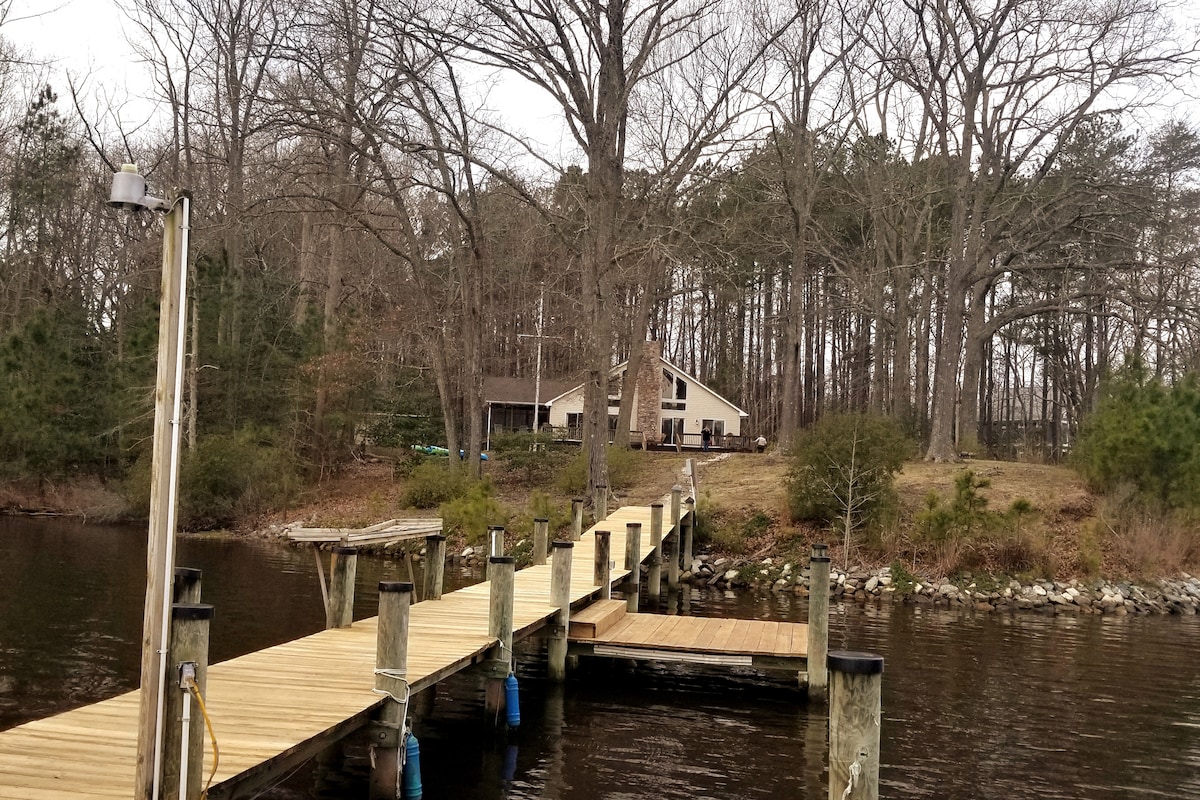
column 274, row 708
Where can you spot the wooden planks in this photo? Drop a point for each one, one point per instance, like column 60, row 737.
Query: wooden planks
column 707, row 635
column 597, row 618
column 280, row 703
column 392, row 530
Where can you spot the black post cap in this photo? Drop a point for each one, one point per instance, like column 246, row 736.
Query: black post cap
column 540, row 519
column 564, row 545
column 395, row 586
column 192, row 611
column 855, row 663
column 436, row 537
column 187, row 574
column 502, row 560
column 819, row 559
column 343, row 550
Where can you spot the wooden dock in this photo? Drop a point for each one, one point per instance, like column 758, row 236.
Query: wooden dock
column 275, row 708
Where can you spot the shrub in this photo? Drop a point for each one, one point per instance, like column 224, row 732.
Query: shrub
column 842, row 468
column 431, row 484
column 473, row 511
column 622, row 469
column 1144, row 434
column 226, row 478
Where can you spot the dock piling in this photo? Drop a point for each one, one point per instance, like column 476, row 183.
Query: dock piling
column 187, row 664
column 343, row 566
column 500, row 626
column 633, row 563
column 600, row 502
column 391, row 679
column 654, row 578
column 674, row 538
column 854, row 719
column 186, row 588
column 818, row 623
column 689, row 531
column 435, row 565
column 576, row 518
column 541, row 538
column 603, row 563
column 560, row 598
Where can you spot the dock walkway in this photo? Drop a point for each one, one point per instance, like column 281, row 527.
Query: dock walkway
column 273, row 708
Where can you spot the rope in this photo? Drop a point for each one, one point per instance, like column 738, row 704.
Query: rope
column 396, row 675
column 855, row 771
column 194, row 690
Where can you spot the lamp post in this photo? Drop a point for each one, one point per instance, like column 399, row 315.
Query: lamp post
column 129, row 193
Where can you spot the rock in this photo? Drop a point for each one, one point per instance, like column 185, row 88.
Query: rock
column 696, row 565
column 719, row 562
column 885, row 580
column 1039, row 590
column 467, row 552
column 947, row 590
column 872, row 585
column 779, row 585
column 731, row 576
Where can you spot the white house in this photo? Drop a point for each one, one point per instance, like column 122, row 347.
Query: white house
column 670, row 406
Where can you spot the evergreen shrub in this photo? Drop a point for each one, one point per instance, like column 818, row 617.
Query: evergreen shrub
column 845, row 460
column 1145, row 434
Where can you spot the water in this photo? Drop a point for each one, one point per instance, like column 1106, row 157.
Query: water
column 975, row 706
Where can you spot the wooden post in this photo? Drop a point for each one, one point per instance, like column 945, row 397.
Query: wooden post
column 560, row 598
column 818, row 623
column 541, row 540
column 187, row 585
column 576, row 519
column 689, row 528
column 495, row 548
column 160, row 538
column 603, row 563
column 435, row 565
column 654, row 578
column 854, row 717
column 188, row 652
column 691, row 471
column 674, row 537
column 633, row 563
column 343, row 566
column 391, row 677
column 500, row 627
column 600, row 502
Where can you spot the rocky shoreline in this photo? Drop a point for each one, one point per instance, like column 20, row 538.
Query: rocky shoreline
column 1179, row 595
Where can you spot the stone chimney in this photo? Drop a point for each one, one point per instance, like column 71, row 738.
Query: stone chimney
column 649, row 392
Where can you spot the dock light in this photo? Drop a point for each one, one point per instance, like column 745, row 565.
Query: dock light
column 128, row 193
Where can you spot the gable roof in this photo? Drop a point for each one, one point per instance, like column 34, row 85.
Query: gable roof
column 520, row 391
column 679, row 371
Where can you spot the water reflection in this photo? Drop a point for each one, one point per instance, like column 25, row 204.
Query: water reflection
column 1005, row 706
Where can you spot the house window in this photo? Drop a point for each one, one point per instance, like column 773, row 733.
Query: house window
column 672, row 430
column 717, row 426
column 674, row 393
column 574, row 420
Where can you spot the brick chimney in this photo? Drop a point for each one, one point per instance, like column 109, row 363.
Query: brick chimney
column 649, row 392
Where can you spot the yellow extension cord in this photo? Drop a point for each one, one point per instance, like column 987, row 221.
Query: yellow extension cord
column 195, row 692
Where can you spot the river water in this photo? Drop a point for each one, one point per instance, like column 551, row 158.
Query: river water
column 974, row 705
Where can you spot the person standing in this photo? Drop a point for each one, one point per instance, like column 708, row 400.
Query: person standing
column 705, row 437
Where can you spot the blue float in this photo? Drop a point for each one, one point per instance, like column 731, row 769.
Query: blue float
column 512, row 701
column 410, row 777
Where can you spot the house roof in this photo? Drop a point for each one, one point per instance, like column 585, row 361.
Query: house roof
column 617, row 369
column 500, row 390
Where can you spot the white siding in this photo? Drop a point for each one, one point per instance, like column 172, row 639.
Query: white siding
column 701, row 404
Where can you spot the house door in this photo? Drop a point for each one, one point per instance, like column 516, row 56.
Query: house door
column 672, row 430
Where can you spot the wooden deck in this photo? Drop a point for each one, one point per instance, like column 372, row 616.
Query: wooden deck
column 602, row 630
column 276, row 707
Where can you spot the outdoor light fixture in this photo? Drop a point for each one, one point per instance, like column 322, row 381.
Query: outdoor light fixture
column 129, row 194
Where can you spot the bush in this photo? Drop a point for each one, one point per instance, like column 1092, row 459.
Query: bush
column 228, row 477
column 845, row 465
column 622, row 470
column 432, row 483
column 1144, row 434
column 472, row 512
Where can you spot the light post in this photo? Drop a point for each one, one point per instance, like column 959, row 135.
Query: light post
column 129, row 193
